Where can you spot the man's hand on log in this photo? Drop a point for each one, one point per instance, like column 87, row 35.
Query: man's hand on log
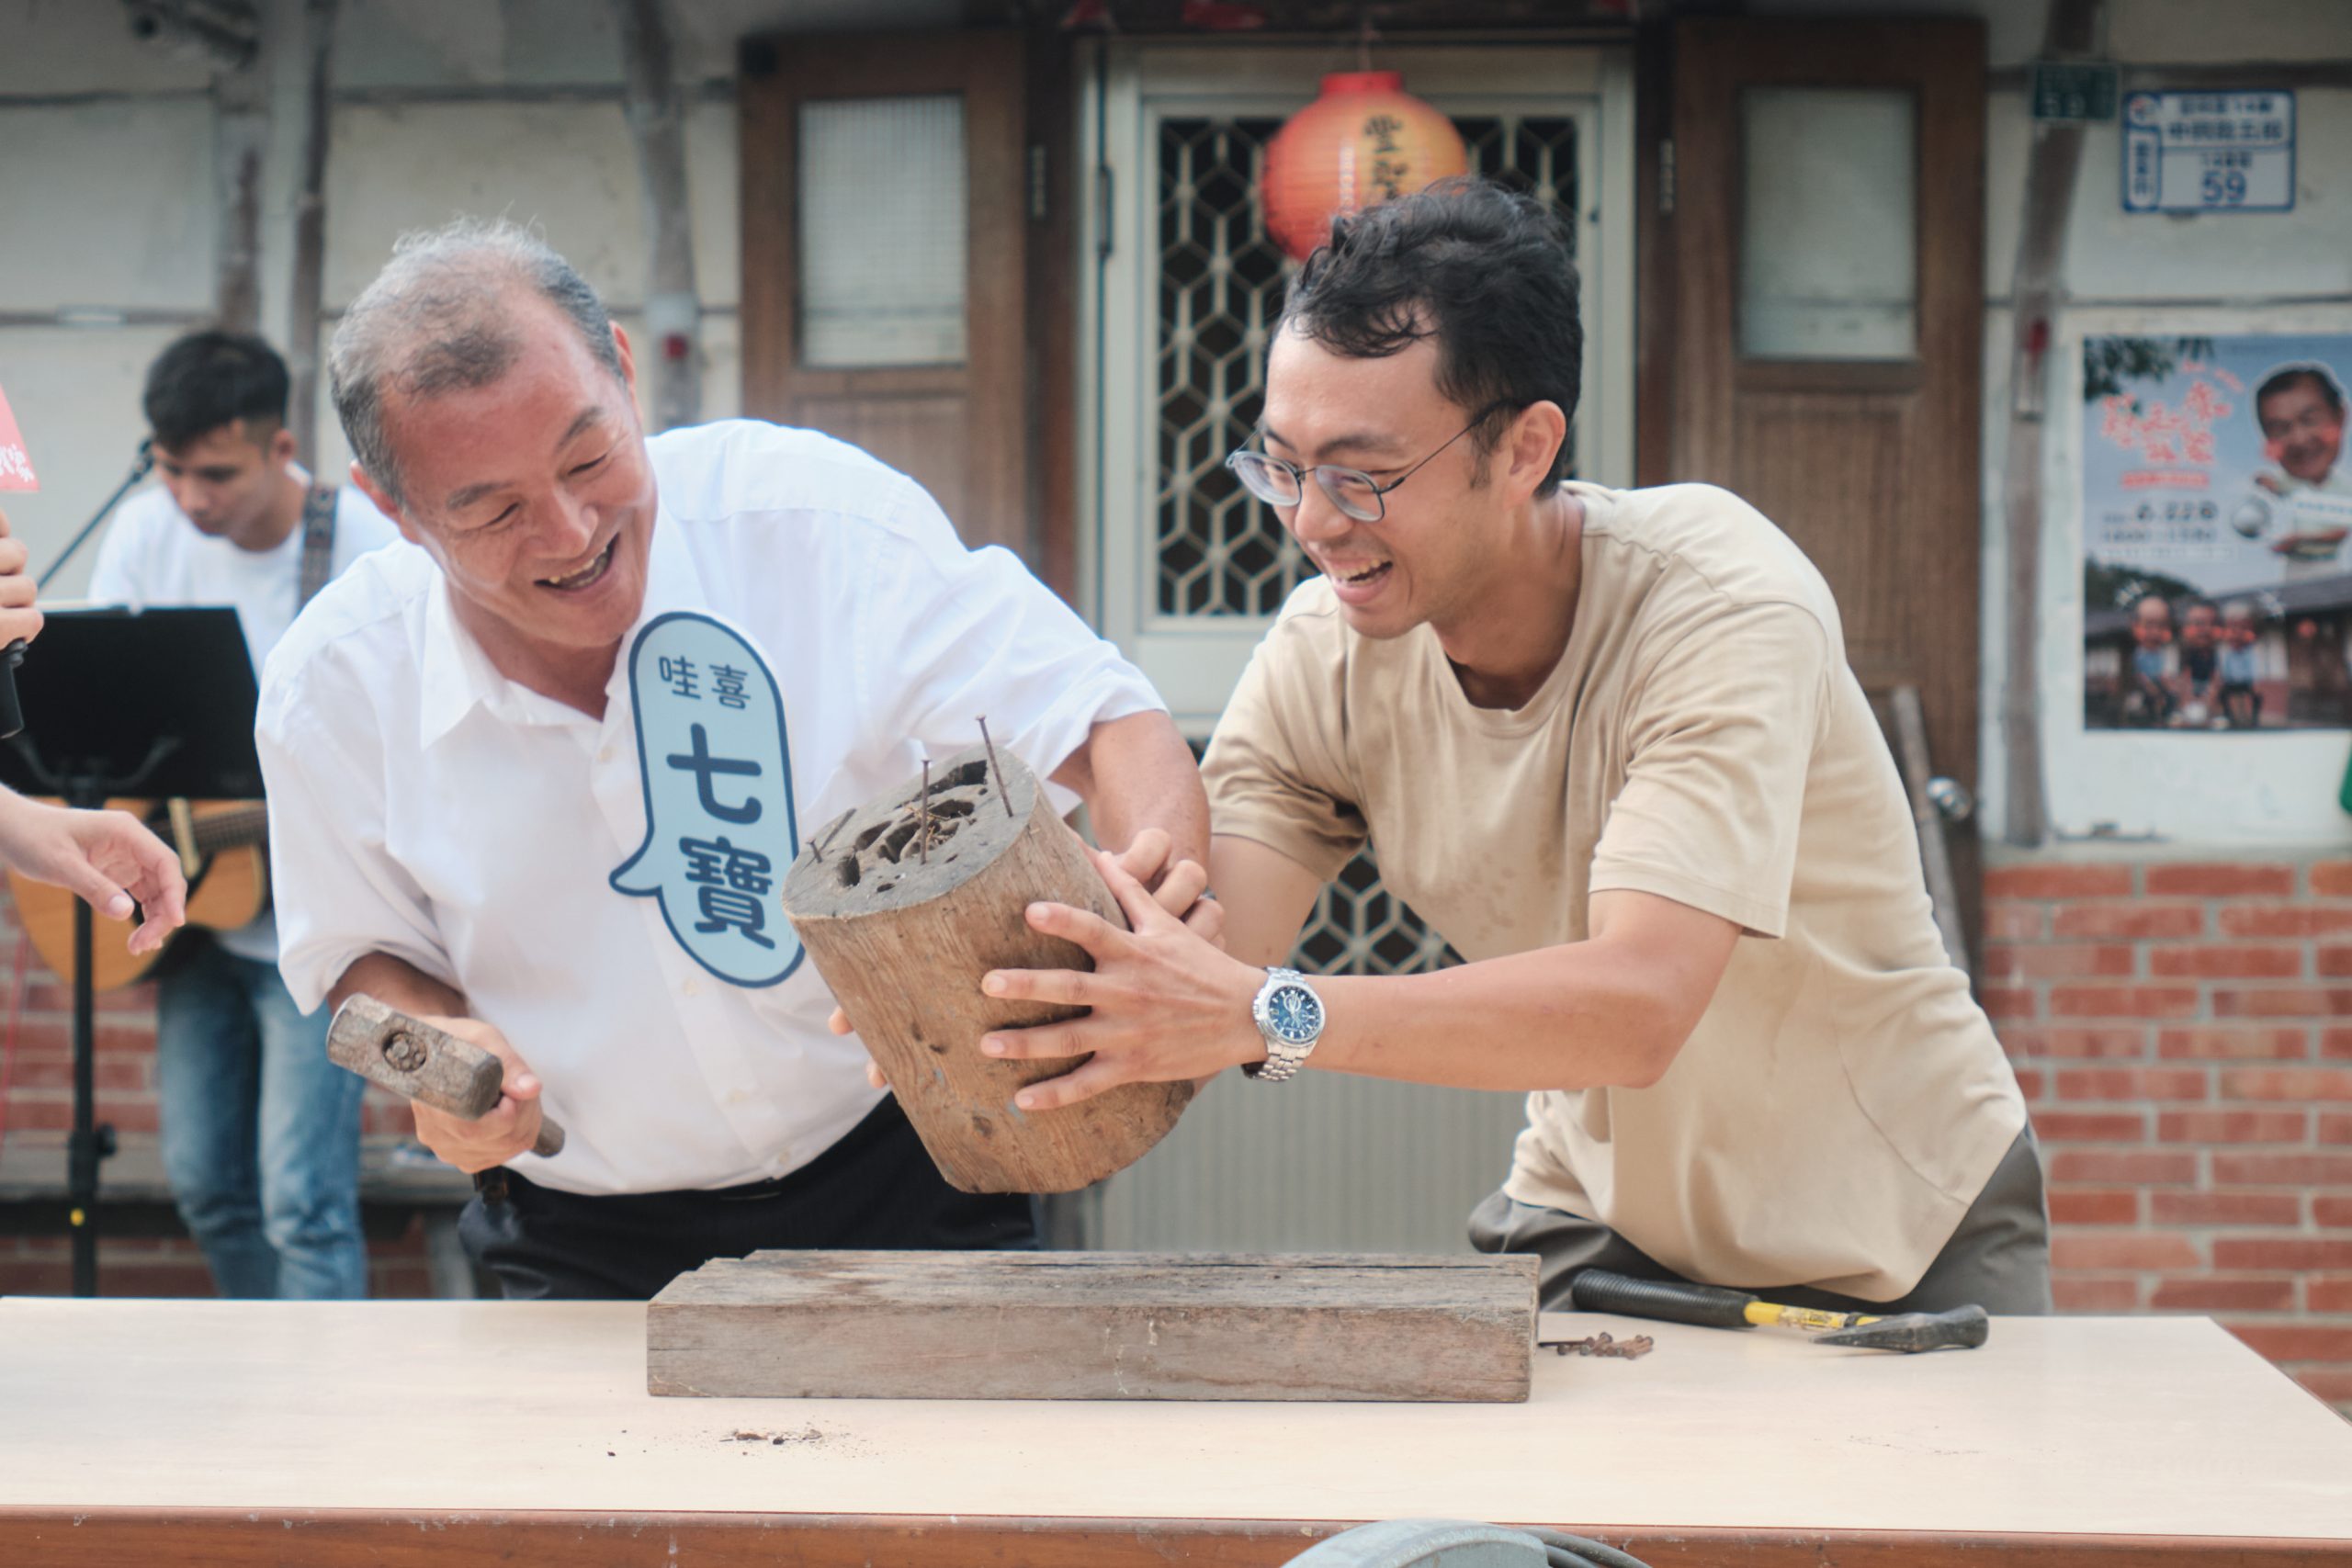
column 1181, row 889
column 1167, row 1002
column 505, row 1130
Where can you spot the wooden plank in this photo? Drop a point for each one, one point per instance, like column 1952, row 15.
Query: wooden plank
column 1097, row 1325
column 1911, row 759
column 2036, row 295
column 62, row 1537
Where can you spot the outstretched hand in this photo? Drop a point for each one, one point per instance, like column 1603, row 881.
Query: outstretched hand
column 1166, row 1002
column 108, row 858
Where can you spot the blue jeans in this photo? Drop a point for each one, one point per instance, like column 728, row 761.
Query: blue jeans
column 261, row 1130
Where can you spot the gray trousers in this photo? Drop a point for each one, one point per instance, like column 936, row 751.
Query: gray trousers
column 1999, row 1259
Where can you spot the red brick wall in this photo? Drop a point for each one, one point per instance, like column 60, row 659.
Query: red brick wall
column 2183, row 1031
column 37, row 1077
column 171, row 1266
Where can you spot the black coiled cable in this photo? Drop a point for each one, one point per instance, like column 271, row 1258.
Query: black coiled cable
column 1578, row 1552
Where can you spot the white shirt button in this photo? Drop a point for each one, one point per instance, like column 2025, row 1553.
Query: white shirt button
column 693, row 986
column 736, row 1096
column 603, row 754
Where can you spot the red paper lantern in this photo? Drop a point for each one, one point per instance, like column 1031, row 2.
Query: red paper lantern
column 1364, row 142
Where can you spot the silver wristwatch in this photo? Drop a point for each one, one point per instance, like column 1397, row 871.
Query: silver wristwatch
column 1289, row 1017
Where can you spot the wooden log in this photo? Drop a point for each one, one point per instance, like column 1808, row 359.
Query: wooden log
column 1096, row 1325
column 903, row 906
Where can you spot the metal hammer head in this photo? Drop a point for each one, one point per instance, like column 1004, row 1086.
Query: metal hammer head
column 413, row 1059
column 1961, row 1328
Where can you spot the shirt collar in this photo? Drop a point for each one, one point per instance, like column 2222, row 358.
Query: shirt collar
column 456, row 676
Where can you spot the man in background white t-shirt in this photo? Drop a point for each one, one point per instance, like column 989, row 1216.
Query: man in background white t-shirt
column 260, row 1130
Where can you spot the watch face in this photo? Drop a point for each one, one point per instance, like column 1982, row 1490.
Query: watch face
column 1294, row 1013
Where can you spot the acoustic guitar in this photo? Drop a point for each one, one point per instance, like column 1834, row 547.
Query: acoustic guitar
column 222, row 853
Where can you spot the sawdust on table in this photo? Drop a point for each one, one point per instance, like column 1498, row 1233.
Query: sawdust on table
column 814, row 1437
column 1640, row 1345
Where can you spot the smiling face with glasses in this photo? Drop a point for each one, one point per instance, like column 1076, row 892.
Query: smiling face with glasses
column 1397, row 555
column 1352, row 491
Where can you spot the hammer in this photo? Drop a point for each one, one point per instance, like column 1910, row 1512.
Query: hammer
column 1713, row 1306
column 430, row 1066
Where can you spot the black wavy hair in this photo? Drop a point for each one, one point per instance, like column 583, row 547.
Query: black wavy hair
column 1486, row 270
column 2286, row 376
column 211, row 379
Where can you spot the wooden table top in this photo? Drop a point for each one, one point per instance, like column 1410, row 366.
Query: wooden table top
column 2149, row 1428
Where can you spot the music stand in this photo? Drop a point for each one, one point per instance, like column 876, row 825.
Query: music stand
column 157, row 703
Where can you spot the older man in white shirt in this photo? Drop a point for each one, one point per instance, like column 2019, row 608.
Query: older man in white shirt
column 477, row 772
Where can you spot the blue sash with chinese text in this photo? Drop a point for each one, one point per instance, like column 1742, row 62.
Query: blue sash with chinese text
column 717, row 773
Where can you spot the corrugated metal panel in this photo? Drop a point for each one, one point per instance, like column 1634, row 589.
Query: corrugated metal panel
column 1322, row 1162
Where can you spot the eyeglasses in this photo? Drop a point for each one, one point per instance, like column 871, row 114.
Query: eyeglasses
column 1354, row 492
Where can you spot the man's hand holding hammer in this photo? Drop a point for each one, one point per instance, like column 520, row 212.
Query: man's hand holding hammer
column 507, row 1129
column 511, row 1127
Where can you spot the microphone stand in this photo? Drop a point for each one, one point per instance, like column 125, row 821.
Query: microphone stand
column 90, row 1144
column 139, row 469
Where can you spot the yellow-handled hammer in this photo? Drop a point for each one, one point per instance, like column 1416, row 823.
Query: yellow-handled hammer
column 1714, row 1306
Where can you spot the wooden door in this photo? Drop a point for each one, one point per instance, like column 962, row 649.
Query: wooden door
column 873, row 122
column 1823, row 248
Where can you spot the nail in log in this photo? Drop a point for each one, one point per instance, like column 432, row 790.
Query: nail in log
column 903, row 906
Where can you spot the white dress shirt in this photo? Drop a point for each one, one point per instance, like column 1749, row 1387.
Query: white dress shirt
column 152, row 556
column 425, row 807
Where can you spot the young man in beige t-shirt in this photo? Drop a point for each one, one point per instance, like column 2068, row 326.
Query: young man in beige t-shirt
column 1608, row 744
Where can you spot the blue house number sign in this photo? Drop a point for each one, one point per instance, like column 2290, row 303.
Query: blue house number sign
column 2209, row 152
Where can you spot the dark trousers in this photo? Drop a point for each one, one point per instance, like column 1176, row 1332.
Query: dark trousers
column 1999, row 1259
column 874, row 1189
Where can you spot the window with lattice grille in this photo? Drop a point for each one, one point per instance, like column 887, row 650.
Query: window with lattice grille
column 1220, row 551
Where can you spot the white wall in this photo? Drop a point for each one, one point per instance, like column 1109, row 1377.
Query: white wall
column 107, row 235
column 2163, row 274
column 107, row 218
column 108, row 203
column 2125, row 272
column 2167, row 274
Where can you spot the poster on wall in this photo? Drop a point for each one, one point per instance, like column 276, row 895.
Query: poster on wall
column 2217, row 500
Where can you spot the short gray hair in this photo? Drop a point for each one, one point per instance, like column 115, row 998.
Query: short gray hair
column 434, row 322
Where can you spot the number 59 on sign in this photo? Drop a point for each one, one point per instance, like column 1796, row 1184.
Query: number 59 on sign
column 2209, row 152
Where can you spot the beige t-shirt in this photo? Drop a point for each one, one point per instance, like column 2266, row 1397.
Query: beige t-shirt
column 1843, row 1100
